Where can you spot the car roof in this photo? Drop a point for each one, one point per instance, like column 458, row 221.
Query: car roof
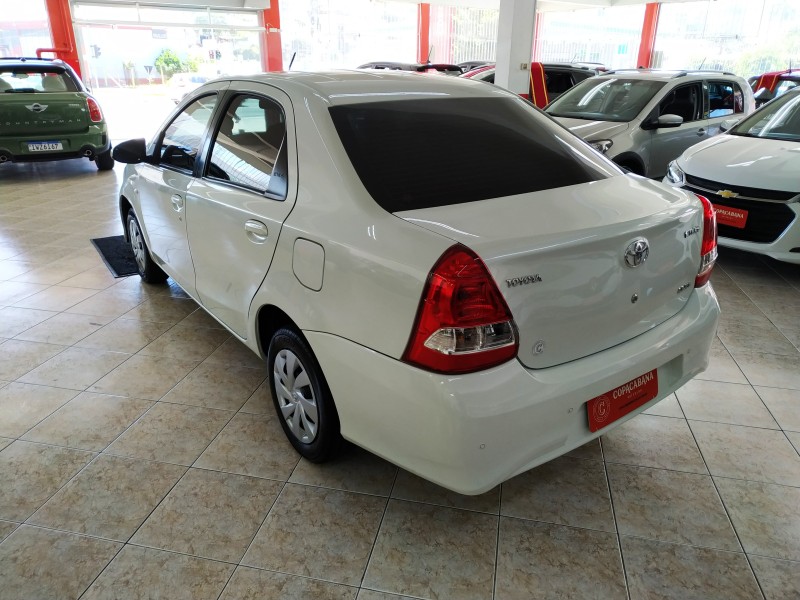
column 20, row 61
column 665, row 75
column 355, row 86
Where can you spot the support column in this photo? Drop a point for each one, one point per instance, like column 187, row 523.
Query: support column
column 514, row 44
column 423, row 32
column 270, row 40
column 64, row 46
column 648, row 43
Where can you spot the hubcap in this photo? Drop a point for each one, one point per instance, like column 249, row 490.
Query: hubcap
column 137, row 244
column 296, row 396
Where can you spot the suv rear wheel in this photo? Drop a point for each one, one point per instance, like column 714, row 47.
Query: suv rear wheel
column 104, row 161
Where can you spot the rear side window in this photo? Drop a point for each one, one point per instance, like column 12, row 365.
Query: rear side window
column 248, row 143
column 724, row 98
column 413, row 154
column 558, row 82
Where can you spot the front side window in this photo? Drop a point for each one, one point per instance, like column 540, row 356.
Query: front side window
column 685, row 101
column 615, row 99
column 248, row 143
column 417, row 154
column 724, row 98
column 183, row 137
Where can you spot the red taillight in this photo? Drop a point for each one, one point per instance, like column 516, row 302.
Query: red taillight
column 463, row 323
column 708, row 249
column 95, row 114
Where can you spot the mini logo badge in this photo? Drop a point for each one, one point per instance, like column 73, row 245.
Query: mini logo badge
column 726, row 194
column 637, row 252
column 36, row 107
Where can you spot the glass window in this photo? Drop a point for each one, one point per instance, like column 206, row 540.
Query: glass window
column 413, row 154
column 777, row 120
column 557, row 82
column 182, row 138
column 32, row 79
column 605, row 99
column 724, row 98
column 248, row 143
column 785, row 86
column 685, row 101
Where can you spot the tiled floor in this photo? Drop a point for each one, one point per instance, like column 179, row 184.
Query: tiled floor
column 140, row 458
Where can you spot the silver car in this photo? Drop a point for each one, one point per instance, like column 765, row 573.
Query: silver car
column 642, row 119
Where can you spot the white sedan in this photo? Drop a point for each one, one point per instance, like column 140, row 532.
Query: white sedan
column 431, row 268
column 752, row 176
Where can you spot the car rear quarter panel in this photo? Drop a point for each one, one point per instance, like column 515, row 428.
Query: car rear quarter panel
column 375, row 264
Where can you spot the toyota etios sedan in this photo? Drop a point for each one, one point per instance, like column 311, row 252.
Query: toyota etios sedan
column 432, row 268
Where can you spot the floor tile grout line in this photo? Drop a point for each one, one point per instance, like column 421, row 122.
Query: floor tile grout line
column 497, row 542
column 378, row 531
column 616, row 524
column 261, row 526
column 728, row 515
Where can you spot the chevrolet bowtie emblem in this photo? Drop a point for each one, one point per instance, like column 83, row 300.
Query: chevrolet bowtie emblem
column 727, row 194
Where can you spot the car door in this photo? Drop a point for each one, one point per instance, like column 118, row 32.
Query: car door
column 668, row 143
column 162, row 188
column 238, row 205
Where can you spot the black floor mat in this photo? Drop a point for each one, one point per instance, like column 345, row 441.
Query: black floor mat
column 117, row 255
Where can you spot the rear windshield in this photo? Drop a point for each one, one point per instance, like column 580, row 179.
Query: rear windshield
column 607, row 99
column 32, row 79
column 422, row 153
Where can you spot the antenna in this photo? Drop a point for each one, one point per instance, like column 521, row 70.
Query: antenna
column 430, row 53
column 291, row 62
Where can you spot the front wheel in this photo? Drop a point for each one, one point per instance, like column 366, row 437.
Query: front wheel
column 149, row 271
column 302, row 399
column 104, row 161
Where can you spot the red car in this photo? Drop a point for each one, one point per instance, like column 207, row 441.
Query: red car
column 773, row 84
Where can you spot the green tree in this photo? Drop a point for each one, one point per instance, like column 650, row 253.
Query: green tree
column 168, row 62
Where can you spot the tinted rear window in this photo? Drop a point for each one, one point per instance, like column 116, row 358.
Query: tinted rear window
column 413, row 154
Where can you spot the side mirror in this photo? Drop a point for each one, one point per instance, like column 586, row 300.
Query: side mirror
column 669, row 121
column 727, row 124
column 131, row 152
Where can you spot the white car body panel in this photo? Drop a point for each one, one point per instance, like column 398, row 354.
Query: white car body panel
column 466, row 432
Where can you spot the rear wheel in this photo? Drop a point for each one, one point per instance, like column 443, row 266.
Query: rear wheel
column 149, row 271
column 302, row 399
column 104, row 161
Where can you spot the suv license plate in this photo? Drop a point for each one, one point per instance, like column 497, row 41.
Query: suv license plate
column 44, row 146
column 612, row 405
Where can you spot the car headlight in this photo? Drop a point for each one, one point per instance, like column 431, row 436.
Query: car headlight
column 601, row 145
column 675, row 174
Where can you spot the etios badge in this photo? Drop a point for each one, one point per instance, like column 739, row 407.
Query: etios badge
column 637, row 252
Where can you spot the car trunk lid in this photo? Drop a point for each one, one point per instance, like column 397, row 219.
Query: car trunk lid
column 43, row 113
column 559, row 259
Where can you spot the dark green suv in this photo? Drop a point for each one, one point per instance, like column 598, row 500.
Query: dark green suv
column 46, row 113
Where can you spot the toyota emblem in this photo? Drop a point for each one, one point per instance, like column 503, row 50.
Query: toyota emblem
column 637, row 252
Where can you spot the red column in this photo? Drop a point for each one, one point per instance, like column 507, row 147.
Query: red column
column 271, row 51
column 649, row 28
column 423, row 32
column 64, row 46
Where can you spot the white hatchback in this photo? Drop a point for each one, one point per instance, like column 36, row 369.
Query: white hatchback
column 752, row 176
column 432, row 269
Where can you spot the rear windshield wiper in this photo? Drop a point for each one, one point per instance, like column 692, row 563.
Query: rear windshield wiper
column 22, row 91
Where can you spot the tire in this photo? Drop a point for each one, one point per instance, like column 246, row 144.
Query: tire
column 104, row 161
column 149, row 271
column 302, row 399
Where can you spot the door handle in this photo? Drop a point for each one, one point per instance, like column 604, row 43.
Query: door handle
column 177, row 203
column 257, row 232
column 701, row 131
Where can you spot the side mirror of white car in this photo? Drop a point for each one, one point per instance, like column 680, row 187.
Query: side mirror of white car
column 727, row 124
column 669, row 121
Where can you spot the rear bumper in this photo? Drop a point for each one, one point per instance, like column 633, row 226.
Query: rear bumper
column 82, row 145
column 471, row 432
